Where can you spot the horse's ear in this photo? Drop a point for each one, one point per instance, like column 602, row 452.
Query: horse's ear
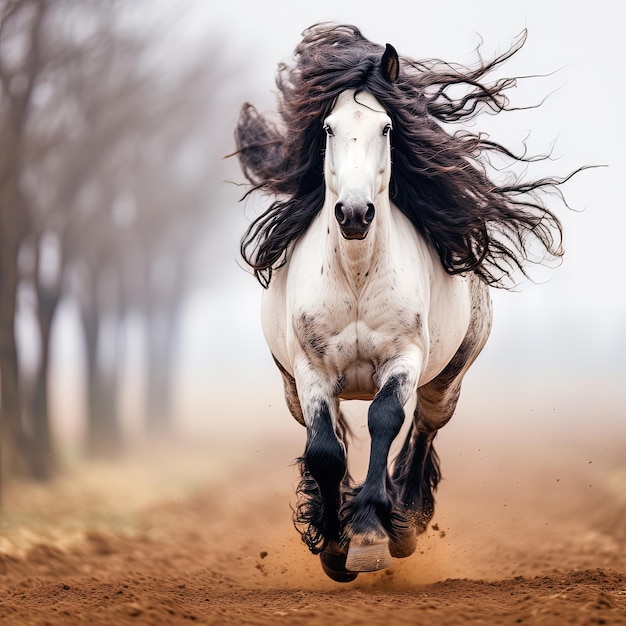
column 390, row 64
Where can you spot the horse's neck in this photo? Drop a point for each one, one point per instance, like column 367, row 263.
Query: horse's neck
column 354, row 260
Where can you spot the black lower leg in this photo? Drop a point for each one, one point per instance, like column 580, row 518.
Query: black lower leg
column 323, row 467
column 373, row 504
column 420, row 478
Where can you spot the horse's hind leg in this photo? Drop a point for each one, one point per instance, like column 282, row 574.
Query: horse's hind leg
column 417, row 475
column 291, row 393
column 417, row 472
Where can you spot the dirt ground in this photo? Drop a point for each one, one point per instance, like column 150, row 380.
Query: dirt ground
column 530, row 528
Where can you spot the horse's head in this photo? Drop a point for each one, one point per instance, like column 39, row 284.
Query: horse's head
column 358, row 154
column 358, row 160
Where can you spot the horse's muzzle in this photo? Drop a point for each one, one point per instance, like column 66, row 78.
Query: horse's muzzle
column 354, row 220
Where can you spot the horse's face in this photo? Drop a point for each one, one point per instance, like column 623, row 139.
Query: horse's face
column 358, row 160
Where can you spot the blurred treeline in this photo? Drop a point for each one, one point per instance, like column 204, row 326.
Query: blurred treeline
column 108, row 173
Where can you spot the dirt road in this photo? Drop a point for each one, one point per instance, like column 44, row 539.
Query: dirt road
column 528, row 530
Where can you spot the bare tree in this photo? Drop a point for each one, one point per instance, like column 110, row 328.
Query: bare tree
column 57, row 159
column 20, row 62
column 100, row 184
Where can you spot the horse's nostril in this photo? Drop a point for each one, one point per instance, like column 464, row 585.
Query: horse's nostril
column 369, row 214
column 340, row 213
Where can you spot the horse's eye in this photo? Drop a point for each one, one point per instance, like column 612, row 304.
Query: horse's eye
column 386, row 130
column 328, row 130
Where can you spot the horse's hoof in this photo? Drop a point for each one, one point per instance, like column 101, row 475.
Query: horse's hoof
column 368, row 556
column 404, row 545
column 334, row 565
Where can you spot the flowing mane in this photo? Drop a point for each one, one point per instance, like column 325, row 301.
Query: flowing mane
column 439, row 180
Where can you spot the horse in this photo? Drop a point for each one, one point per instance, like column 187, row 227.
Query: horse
column 377, row 256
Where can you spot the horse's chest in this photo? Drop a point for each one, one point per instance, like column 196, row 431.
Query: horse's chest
column 351, row 336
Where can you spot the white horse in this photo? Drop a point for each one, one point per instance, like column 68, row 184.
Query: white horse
column 377, row 254
column 363, row 309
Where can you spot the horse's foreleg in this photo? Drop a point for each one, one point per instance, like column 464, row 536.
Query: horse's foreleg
column 417, row 472
column 323, row 468
column 323, row 464
column 372, row 515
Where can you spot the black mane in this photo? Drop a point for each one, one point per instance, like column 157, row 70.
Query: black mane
column 439, row 180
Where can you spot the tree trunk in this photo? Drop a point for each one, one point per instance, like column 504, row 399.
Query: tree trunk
column 12, row 124
column 161, row 348
column 42, row 454
column 13, row 436
column 12, row 431
column 109, row 374
column 103, row 430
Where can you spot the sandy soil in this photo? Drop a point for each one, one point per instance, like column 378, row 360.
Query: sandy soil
column 530, row 528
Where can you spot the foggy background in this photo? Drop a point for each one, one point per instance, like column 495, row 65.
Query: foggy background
column 558, row 345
